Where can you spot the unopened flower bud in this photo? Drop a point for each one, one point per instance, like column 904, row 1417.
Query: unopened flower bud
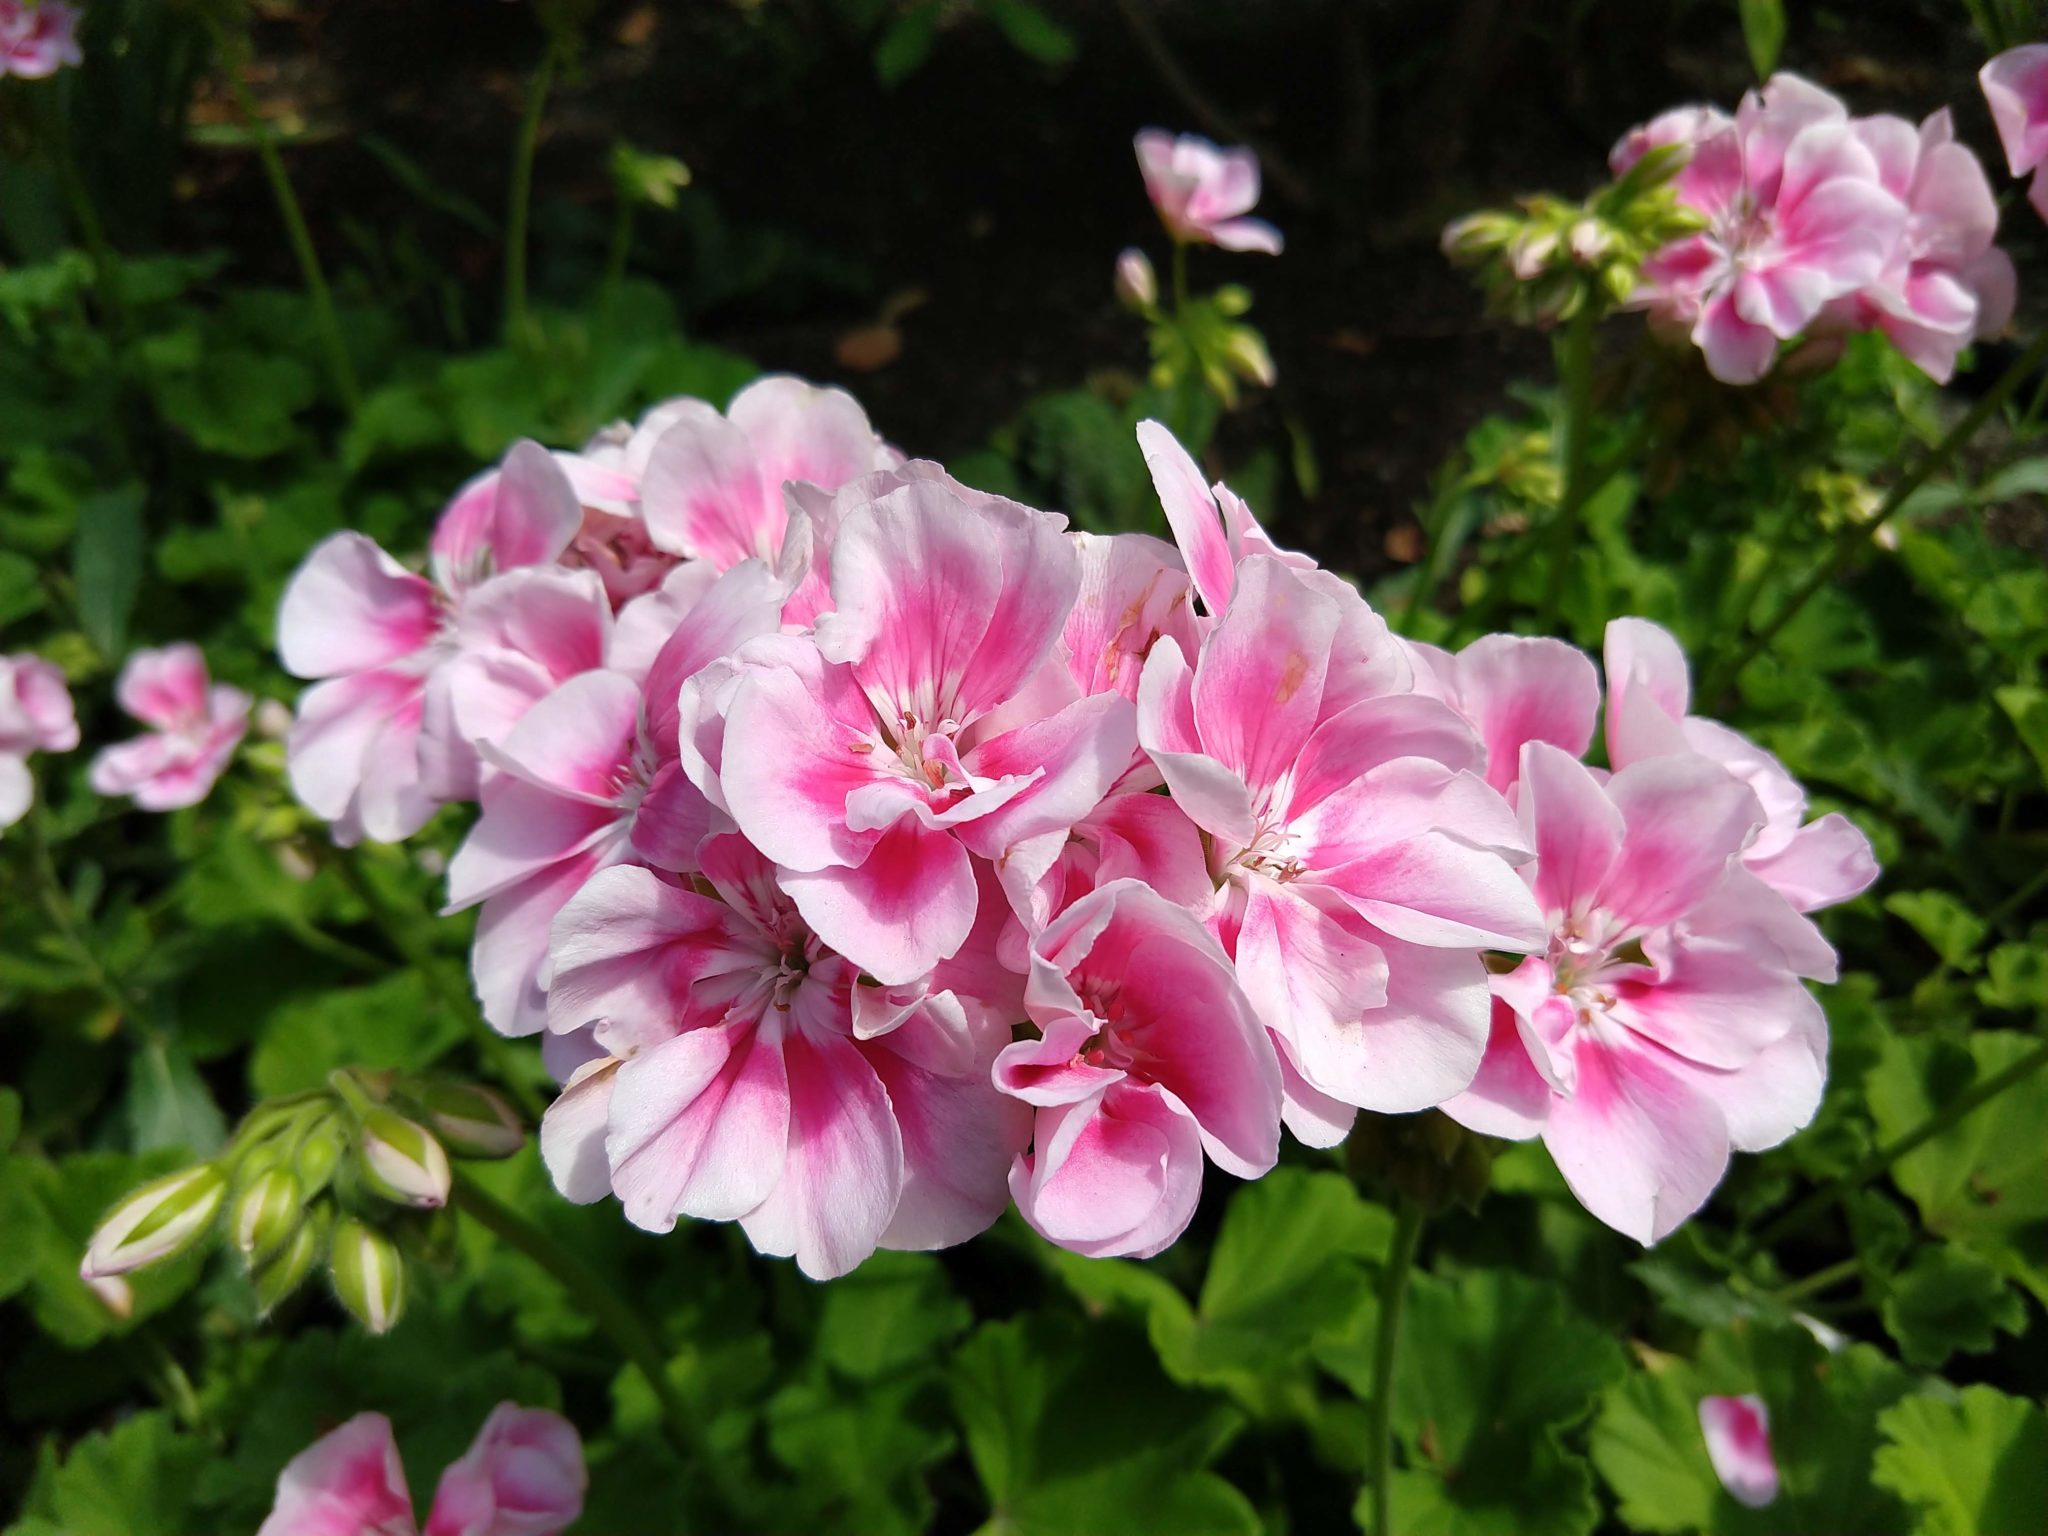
column 402, row 1161
column 284, row 1271
column 114, row 1293
column 471, row 1121
column 273, row 719
column 1589, row 240
column 319, row 1153
column 159, row 1221
column 1530, row 252
column 1232, row 299
column 265, row 1214
column 1137, row 286
column 1246, row 351
column 1476, row 235
column 368, row 1274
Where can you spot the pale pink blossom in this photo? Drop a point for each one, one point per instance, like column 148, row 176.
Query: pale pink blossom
column 712, row 488
column 1202, row 193
column 1738, row 1435
column 1665, row 1024
column 874, row 758
column 1797, row 215
column 1513, row 689
column 1812, row 864
column 415, row 673
column 198, row 725
column 35, row 716
column 2016, row 87
column 1148, row 1056
column 587, row 778
column 1213, row 527
column 523, row 1475
column 751, row 1075
column 37, row 38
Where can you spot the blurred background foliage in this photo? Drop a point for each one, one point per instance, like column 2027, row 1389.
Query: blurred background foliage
column 922, row 199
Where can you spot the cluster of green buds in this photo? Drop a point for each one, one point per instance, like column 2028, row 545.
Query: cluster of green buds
column 352, row 1175
column 1545, row 259
column 1199, row 339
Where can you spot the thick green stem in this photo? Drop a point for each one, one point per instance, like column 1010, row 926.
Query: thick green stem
column 520, row 199
column 615, row 264
column 1857, row 536
column 301, row 239
column 1963, row 1104
column 1393, row 1292
column 1575, row 376
column 616, row 1317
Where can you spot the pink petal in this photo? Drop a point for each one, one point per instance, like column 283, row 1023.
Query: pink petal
column 703, row 494
column 347, row 1483
column 572, row 1133
column 1078, row 753
column 1114, row 1177
column 1212, row 795
column 350, row 728
column 1133, row 590
column 628, row 948
column 578, row 742
column 510, row 951
column 523, row 1475
column 1259, row 679
column 1736, row 351
column 1577, row 831
column 351, row 607
column 1508, row 1097
column 1738, row 1435
column 907, row 906
column 700, row 1125
column 1350, row 744
column 1685, row 820
column 1515, row 690
column 1825, row 862
column 1247, row 235
column 801, row 431
column 1191, row 513
column 2016, row 87
column 165, row 688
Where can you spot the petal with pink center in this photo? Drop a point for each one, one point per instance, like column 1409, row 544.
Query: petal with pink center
column 351, row 607
column 1508, row 1097
column 1118, row 1176
column 1350, row 744
column 802, row 431
column 165, row 688
column 1516, row 689
column 1736, row 351
column 1717, row 1001
column 1053, row 1068
column 340, row 722
column 523, row 831
column 1738, row 1435
column 700, row 1125
column 1079, row 752
column 511, row 946
column 1133, row 589
column 1825, row 862
column 1576, row 830
column 2015, row 85
column 523, row 1475
column 1214, row 797
column 1191, row 513
column 702, row 494
column 628, row 947
column 1777, row 1092
column 349, row 1482
column 907, row 906
column 578, row 742
column 1258, row 687
column 1685, row 819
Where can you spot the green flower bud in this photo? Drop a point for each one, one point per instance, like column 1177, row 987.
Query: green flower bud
column 159, row 1221
column 1246, row 352
column 285, row 1271
column 319, row 1154
column 471, row 1121
column 368, row 1274
column 265, row 1214
column 401, row 1160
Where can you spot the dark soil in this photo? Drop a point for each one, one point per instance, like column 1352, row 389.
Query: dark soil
column 995, row 192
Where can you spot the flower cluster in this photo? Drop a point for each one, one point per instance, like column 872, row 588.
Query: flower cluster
column 37, row 38
column 1817, row 223
column 2016, row 89
column 36, row 715
column 872, row 851
column 523, row 1475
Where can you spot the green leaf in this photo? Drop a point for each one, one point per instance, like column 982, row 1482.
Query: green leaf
column 392, row 1022
column 1977, row 1466
column 1951, row 929
column 1031, row 31
column 859, row 1458
column 1493, row 1368
column 907, row 44
column 2015, row 978
column 230, row 400
column 137, row 1479
column 169, row 1104
column 106, row 562
column 1074, row 1433
column 1763, row 33
column 1947, row 1300
column 892, row 1313
column 1984, row 1180
column 1823, row 1411
column 2028, row 708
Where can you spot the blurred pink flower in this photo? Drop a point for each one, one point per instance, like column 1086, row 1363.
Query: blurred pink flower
column 2016, row 87
column 523, row 1475
column 35, row 716
column 37, row 38
column 1738, row 1435
column 197, row 728
column 1202, row 193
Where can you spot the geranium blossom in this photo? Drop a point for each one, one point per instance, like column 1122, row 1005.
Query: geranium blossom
column 1203, row 193
column 37, row 38
column 35, row 716
column 523, row 1475
column 197, row 725
column 752, row 1075
column 1148, row 1055
column 2016, row 87
column 1665, row 1024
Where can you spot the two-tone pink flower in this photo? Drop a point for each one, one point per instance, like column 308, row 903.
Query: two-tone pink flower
column 196, row 725
column 36, row 715
column 37, row 38
column 1203, row 193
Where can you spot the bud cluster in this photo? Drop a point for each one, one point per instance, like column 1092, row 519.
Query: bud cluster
column 1201, row 339
column 1545, row 259
column 350, row 1175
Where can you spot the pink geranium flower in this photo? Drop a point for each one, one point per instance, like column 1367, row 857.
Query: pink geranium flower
column 197, row 728
column 1797, row 215
column 1148, row 1055
column 37, row 38
column 523, row 1475
column 1738, row 1435
column 35, row 716
column 752, row 1076
column 1812, row 864
column 1665, row 1024
column 416, row 672
column 872, row 759
column 1202, row 193
column 2016, row 87
column 712, row 487
column 1515, row 689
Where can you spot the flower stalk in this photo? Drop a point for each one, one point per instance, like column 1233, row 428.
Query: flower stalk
column 1386, row 1350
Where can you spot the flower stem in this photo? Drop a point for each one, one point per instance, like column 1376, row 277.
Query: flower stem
column 1393, row 1291
column 301, row 239
column 1575, row 375
column 1963, row 1104
column 57, row 906
column 1820, row 1280
column 629, row 1332
column 520, row 199
column 1853, row 538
